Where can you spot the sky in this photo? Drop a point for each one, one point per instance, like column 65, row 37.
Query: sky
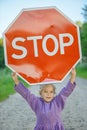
column 9, row 9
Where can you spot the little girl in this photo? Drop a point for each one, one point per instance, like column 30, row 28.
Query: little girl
column 48, row 107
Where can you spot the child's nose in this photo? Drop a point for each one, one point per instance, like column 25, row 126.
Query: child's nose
column 48, row 94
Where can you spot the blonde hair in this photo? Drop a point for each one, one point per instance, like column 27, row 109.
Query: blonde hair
column 46, row 85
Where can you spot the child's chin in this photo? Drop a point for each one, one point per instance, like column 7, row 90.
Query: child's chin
column 48, row 100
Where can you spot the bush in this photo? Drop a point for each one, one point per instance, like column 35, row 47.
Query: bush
column 2, row 63
column 82, row 70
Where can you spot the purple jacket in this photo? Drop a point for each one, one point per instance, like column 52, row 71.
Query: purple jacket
column 48, row 114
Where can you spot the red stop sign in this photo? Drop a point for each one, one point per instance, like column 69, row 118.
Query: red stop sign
column 42, row 45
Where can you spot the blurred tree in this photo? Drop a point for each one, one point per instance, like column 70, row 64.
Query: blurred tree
column 79, row 23
column 84, row 13
column 84, row 41
column 84, row 33
column 1, row 42
column 2, row 63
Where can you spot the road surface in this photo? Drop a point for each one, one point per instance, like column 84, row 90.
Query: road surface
column 15, row 114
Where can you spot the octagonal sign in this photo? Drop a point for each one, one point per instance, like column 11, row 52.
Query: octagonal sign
column 42, row 45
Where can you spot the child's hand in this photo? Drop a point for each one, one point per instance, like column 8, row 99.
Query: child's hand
column 73, row 75
column 15, row 78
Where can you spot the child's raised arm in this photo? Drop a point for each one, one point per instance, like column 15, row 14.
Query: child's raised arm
column 73, row 75
column 15, row 78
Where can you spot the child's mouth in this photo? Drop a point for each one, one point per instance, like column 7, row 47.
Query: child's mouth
column 48, row 97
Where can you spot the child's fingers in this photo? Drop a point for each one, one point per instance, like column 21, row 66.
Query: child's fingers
column 73, row 72
column 13, row 73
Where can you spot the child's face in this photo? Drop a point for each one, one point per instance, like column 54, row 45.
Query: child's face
column 47, row 93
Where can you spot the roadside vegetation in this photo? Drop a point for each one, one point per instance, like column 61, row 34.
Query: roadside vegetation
column 7, row 84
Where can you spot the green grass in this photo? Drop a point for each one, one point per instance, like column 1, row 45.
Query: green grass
column 82, row 70
column 7, row 84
